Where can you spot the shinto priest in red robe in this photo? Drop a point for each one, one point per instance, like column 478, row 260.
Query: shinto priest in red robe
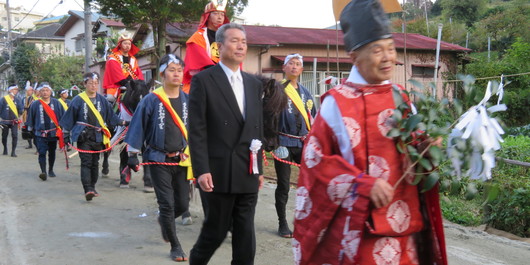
column 345, row 153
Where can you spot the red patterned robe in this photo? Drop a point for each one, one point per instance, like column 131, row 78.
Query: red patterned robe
column 115, row 70
column 199, row 55
column 347, row 149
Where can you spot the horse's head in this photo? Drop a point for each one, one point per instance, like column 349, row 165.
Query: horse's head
column 274, row 102
column 136, row 89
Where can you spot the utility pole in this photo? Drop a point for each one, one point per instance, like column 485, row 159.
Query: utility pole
column 489, row 48
column 436, row 64
column 426, row 16
column 8, row 10
column 88, row 36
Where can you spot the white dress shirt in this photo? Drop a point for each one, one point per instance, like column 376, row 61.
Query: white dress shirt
column 236, row 80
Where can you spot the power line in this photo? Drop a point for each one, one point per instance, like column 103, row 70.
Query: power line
column 82, row 7
column 26, row 14
column 60, row 2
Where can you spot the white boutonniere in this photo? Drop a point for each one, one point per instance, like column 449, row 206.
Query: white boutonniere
column 255, row 146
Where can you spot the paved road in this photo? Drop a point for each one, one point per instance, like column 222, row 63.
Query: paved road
column 51, row 223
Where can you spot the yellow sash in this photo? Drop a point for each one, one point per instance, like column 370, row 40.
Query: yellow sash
column 11, row 105
column 64, row 104
column 297, row 101
column 106, row 132
column 186, row 160
column 34, row 96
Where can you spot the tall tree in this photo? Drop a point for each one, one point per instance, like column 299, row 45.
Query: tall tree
column 158, row 13
column 26, row 60
column 62, row 71
column 467, row 11
column 504, row 25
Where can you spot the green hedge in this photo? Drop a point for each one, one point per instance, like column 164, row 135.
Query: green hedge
column 510, row 210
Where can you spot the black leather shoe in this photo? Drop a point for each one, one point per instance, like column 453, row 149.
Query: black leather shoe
column 51, row 174
column 43, row 176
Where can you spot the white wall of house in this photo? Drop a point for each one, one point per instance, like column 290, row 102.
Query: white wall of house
column 49, row 47
column 70, row 43
column 20, row 18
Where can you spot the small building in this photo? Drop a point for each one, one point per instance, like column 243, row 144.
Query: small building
column 73, row 31
column 44, row 40
column 21, row 19
column 323, row 51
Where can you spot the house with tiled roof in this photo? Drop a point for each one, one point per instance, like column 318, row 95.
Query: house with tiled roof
column 73, row 31
column 323, row 51
column 44, row 40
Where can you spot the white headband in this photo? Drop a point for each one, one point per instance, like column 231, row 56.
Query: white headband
column 94, row 77
column 43, row 86
column 12, row 87
column 291, row 56
column 172, row 59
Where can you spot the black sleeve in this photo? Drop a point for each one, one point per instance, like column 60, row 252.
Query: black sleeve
column 198, row 127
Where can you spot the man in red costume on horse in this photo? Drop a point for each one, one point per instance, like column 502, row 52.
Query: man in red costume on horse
column 121, row 66
column 350, row 206
column 201, row 48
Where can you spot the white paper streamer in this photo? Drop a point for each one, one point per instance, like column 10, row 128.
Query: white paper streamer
column 483, row 133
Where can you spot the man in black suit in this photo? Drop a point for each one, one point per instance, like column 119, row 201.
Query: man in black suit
column 225, row 117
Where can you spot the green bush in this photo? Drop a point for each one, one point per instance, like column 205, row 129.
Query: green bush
column 503, row 202
column 516, row 62
column 511, row 210
column 516, row 131
column 461, row 211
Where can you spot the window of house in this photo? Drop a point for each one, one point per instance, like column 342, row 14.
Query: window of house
column 46, row 48
column 4, row 18
column 423, row 71
column 79, row 45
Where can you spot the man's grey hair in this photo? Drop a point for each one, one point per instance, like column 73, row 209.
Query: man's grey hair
column 220, row 34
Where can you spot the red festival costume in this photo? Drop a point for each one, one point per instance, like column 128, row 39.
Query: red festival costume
column 200, row 53
column 347, row 149
column 116, row 70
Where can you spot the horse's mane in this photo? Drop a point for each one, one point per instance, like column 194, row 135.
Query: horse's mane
column 274, row 102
